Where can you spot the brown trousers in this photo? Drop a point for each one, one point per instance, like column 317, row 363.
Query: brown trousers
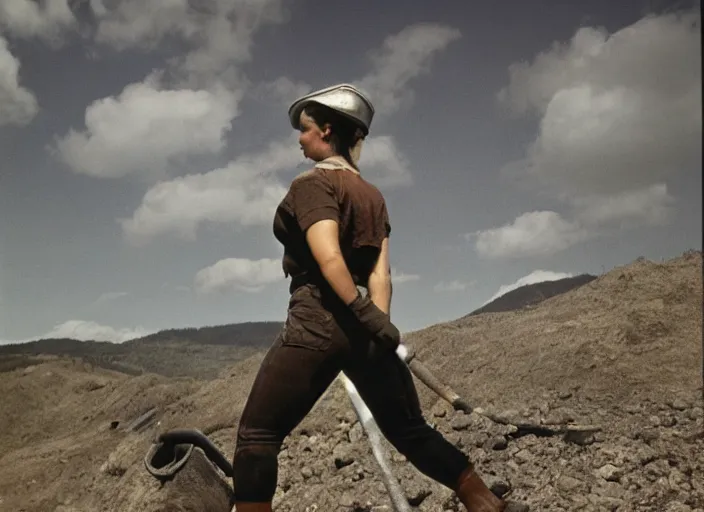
column 321, row 338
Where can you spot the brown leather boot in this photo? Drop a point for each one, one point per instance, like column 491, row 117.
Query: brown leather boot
column 252, row 507
column 475, row 495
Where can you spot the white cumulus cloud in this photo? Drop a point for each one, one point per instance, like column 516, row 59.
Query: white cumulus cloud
column 282, row 90
column 18, row 106
column 383, row 163
column 535, row 233
column 620, row 115
column 145, row 129
column 181, row 111
column 398, row 277
column 619, row 111
column 650, row 205
column 109, row 297
column 238, row 274
column 45, row 19
column 541, row 233
column 402, row 57
column 84, row 330
column 537, row 276
column 218, row 34
column 246, row 191
column 451, row 286
column 399, row 59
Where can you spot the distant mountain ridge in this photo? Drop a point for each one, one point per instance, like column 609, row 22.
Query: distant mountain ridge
column 241, row 334
column 532, row 294
column 193, row 352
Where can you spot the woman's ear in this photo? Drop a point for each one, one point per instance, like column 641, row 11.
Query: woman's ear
column 326, row 131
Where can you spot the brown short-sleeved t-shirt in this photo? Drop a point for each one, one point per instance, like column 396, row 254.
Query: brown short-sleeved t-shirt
column 342, row 195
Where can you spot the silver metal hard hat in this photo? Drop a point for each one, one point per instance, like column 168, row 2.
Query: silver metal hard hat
column 345, row 99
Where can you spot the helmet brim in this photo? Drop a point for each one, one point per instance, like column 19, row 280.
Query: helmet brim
column 344, row 99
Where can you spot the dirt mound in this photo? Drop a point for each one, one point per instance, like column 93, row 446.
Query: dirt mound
column 532, row 294
column 622, row 352
column 631, row 334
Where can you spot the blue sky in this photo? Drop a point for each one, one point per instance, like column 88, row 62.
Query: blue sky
column 145, row 146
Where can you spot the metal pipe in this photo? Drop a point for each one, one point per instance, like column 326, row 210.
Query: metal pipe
column 398, row 498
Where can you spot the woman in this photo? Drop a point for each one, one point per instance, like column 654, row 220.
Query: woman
column 335, row 229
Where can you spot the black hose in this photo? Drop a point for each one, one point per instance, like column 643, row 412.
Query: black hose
column 192, row 437
column 199, row 439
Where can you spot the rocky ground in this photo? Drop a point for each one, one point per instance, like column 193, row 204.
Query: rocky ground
column 623, row 352
column 649, row 457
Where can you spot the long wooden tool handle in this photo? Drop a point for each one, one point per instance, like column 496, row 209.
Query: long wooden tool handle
column 443, row 390
column 571, row 431
column 407, row 355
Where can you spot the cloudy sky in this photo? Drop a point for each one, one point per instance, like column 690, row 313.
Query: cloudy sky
column 145, row 146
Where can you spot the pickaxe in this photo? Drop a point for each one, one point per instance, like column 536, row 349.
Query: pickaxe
column 570, row 431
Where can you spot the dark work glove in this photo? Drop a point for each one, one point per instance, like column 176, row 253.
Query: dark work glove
column 377, row 323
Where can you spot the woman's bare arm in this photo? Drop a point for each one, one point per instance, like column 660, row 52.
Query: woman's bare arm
column 323, row 240
column 371, row 311
column 380, row 287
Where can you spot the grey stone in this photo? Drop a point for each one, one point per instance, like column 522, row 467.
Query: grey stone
column 677, row 506
column 679, row 405
column 499, row 486
column 668, row 421
column 356, row 433
column 695, row 413
column 569, row 484
column 496, row 443
column 610, row 472
column 462, row 422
